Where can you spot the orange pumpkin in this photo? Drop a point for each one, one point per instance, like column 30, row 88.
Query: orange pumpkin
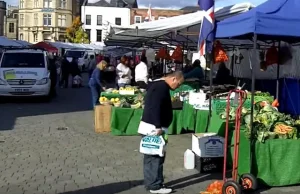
column 215, row 187
column 220, row 55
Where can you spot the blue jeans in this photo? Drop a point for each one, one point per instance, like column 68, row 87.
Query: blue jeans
column 153, row 172
column 95, row 94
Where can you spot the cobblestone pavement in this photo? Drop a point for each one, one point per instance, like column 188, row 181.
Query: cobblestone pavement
column 37, row 158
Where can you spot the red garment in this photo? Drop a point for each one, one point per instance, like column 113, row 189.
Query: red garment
column 99, row 58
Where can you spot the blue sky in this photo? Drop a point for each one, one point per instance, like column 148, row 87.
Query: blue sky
column 176, row 3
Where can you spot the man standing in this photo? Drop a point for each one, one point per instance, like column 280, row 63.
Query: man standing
column 141, row 73
column 157, row 117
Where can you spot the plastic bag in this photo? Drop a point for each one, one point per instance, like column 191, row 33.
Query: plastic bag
column 153, row 145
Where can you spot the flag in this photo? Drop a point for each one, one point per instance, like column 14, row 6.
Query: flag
column 207, row 36
column 148, row 18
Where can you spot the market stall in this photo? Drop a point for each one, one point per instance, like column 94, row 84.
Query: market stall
column 274, row 135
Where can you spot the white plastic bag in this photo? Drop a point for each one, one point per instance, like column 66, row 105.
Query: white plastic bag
column 153, row 145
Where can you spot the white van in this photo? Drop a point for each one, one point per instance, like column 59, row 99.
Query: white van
column 24, row 72
column 83, row 57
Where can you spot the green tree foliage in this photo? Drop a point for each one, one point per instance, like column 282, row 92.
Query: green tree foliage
column 75, row 33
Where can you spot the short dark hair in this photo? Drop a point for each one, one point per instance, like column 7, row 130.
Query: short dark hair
column 144, row 59
column 124, row 59
column 196, row 63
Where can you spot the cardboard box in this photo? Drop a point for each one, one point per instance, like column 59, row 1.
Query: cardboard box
column 102, row 118
column 209, row 165
column 208, row 145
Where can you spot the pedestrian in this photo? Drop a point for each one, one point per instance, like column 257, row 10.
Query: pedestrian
column 92, row 65
column 141, row 73
column 65, row 72
column 95, row 82
column 53, row 75
column 123, row 73
column 157, row 117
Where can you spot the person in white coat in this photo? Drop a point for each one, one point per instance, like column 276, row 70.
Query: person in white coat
column 123, row 73
column 141, row 73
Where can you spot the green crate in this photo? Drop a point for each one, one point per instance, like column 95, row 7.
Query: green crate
column 219, row 105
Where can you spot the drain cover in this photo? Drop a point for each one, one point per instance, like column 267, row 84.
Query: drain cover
column 62, row 128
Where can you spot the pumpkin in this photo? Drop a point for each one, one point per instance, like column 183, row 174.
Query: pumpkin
column 275, row 103
column 220, row 55
column 215, row 187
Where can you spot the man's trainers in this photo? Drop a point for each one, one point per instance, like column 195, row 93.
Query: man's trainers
column 162, row 191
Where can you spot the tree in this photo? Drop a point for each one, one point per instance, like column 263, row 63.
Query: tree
column 76, row 33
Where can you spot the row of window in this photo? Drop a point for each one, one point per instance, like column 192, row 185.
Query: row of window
column 98, row 35
column 46, row 4
column 139, row 19
column 47, row 20
column 118, row 21
column 88, row 20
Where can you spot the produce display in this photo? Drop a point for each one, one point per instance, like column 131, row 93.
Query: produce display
column 127, row 90
column 268, row 122
column 124, row 101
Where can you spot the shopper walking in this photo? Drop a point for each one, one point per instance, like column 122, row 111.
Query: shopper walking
column 65, row 71
column 92, row 65
column 95, row 82
column 157, row 117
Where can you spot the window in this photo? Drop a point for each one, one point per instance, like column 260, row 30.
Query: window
column 21, row 19
column 99, row 20
column 88, row 32
column 15, row 16
column 63, row 4
column 137, row 19
column 47, row 3
column 99, row 35
column 21, row 37
column 21, row 4
column 36, row 3
column 88, row 20
column 47, row 19
column 11, row 27
column 62, row 20
column 23, row 60
column 161, row 18
column 35, row 19
column 35, row 38
column 118, row 21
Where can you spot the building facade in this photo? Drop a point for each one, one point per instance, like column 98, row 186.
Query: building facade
column 97, row 16
column 2, row 17
column 11, row 22
column 138, row 15
column 44, row 20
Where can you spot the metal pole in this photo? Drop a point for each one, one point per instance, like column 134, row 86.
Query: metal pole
column 278, row 71
column 252, row 143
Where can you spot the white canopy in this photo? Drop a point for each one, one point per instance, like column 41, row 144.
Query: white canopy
column 67, row 45
column 174, row 30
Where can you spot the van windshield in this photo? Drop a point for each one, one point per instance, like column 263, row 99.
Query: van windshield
column 75, row 54
column 23, row 60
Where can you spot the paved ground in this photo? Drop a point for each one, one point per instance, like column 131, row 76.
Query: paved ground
column 37, row 158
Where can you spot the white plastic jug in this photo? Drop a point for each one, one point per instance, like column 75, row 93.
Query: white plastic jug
column 189, row 159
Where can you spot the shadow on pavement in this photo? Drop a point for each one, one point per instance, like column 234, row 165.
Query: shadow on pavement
column 192, row 180
column 67, row 100
column 112, row 188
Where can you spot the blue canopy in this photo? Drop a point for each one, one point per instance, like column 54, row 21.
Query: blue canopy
column 272, row 18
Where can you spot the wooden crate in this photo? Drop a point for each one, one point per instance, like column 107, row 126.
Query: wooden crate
column 102, row 118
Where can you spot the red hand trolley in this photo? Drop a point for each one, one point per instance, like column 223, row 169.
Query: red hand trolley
column 247, row 181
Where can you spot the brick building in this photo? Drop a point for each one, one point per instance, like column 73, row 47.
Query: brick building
column 138, row 15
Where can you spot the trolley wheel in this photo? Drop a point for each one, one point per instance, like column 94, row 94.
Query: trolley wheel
column 231, row 187
column 249, row 182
